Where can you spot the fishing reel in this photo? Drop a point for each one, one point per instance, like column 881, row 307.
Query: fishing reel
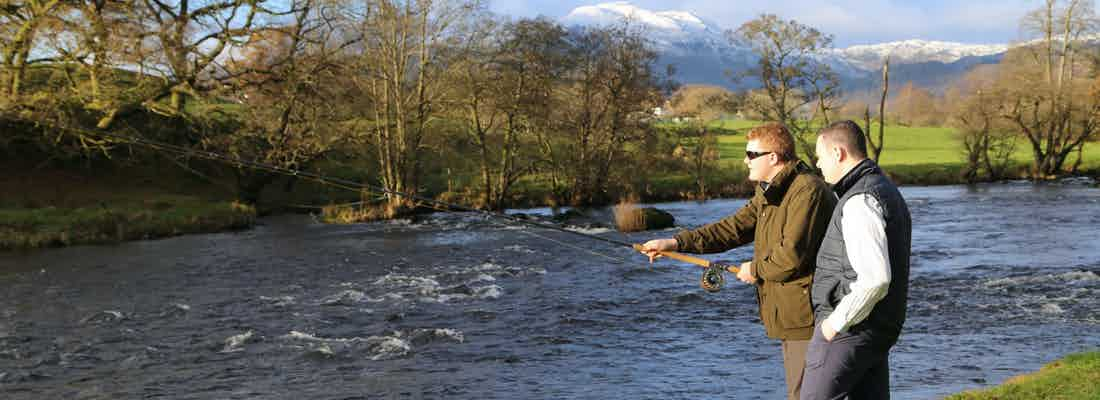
column 714, row 277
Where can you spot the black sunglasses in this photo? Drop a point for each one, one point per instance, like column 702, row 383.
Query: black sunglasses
column 752, row 155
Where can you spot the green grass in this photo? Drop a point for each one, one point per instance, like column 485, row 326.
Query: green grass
column 922, row 155
column 1075, row 377
column 722, row 126
column 912, row 155
column 908, row 146
column 160, row 216
column 49, row 207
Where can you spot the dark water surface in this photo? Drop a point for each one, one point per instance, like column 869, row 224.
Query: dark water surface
column 1005, row 278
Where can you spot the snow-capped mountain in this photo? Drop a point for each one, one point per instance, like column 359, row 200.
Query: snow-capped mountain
column 697, row 48
column 673, row 32
column 870, row 57
column 702, row 53
column 677, row 23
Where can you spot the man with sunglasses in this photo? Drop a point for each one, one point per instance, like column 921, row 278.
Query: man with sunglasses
column 785, row 220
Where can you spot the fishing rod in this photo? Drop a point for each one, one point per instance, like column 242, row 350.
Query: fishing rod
column 711, row 281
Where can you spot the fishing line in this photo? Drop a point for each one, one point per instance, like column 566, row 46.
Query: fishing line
column 617, row 260
column 712, row 278
column 335, row 182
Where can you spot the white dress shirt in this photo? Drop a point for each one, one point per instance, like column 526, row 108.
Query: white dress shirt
column 864, row 230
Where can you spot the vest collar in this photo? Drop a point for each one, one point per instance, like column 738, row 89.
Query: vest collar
column 864, row 168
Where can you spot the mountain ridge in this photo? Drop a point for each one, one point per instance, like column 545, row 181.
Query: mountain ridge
column 703, row 54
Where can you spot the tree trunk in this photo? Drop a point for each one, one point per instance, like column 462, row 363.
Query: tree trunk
column 1080, row 153
column 882, row 107
column 867, row 124
column 486, row 175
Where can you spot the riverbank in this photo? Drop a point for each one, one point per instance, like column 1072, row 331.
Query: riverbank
column 110, row 203
column 63, row 208
column 164, row 216
column 1077, row 376
column 42, row 208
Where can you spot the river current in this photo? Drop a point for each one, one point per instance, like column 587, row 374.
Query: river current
column 1005, row 277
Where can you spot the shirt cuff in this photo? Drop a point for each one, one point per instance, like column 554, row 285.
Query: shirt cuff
column 836, row 323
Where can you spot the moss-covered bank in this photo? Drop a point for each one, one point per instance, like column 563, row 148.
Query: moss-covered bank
column 29, row 228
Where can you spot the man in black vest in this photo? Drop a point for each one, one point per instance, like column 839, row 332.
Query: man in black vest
column 861, row 283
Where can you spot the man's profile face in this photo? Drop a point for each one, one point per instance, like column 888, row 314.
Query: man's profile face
column 827, row 160
column 761, row 166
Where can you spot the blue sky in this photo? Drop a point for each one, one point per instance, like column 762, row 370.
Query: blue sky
column 849, row 21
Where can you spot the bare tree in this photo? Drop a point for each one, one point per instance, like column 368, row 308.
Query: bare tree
column 826, row 90
column 405, row 66
column 702, row 101
column 77, row 39
column 181, row 41
column 1047, row 84
column 791, row 75
column 697, row 148
column 505, row 93
column 606, row 100
column 876, row 144
column 702, row 107
column 21, row 25
column 987, row 142
column 475, row 101
column 91, row 47
column 916, row 106
column 285, row 80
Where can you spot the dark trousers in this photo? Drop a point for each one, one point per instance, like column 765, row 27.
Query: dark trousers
column 853, row 366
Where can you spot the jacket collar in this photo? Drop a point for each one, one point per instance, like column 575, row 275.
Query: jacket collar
column 773, row 192
column 864, row 168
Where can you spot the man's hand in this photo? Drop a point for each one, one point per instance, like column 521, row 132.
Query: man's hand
column 653, row 248
column 827, row 331
column 745, row 274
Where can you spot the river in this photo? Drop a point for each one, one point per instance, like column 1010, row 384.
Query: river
column 1005, row 278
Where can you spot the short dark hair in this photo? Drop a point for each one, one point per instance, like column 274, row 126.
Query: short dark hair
column 776, row 138
column 846, row 133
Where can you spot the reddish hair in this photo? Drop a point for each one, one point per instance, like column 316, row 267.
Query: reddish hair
column 776, row 138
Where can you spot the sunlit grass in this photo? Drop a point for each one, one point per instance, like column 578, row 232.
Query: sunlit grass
column 909, row 150
column 25, row 228
column 1076, row 376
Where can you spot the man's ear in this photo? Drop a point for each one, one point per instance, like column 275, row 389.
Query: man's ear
column 839, row 154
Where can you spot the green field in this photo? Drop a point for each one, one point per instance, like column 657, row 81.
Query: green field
column 908, row 149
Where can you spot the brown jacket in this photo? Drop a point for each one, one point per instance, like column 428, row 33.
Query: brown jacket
column 786, row 223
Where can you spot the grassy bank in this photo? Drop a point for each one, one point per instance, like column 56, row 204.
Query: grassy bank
column 59, row 207
column 162, row 216
column 1074, row 377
